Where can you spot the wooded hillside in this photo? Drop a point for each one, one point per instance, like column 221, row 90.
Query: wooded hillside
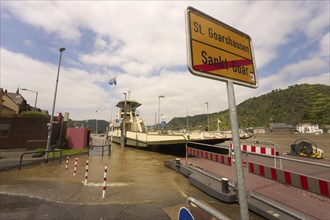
column 297, row 104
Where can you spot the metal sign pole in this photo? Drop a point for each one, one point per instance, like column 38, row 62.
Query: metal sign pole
column 237, row 150
column 123, row 130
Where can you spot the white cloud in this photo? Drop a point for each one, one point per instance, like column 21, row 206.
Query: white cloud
column 147, row 41
column 319, row 20
column 325, row 46
column 45, row 15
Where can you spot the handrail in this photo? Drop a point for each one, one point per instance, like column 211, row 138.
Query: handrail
column 271, row 201
column 284, row 158
column 207, row 145
column 287, row 158
column 54, row 150
column 109, row 148
column 211, row 211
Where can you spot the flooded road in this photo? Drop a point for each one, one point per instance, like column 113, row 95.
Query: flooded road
column 138, row 187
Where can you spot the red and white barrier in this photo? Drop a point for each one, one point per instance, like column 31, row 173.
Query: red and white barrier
column 75, row 167
column 258, row 150
column 86, row 173
column 66, row 163
column 104, row 181
column 311, row 184
column 219, row 158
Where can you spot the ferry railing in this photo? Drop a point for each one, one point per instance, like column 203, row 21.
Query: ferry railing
column 36, row 152
column 211, row 211
column 304, row 186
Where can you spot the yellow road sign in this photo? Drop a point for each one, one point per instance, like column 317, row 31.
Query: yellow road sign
column 218, row 51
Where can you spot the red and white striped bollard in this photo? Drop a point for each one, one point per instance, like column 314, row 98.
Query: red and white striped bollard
column 75, row 167
column 104, row 181
column 86, row 172
column 66, row 163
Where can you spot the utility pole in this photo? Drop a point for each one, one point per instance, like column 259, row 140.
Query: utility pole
column 161, row 96
column 123, row 130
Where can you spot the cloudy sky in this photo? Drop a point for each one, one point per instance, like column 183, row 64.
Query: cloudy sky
column 143, row 45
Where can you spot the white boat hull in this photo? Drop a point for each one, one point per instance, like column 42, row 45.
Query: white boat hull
column 139, row 139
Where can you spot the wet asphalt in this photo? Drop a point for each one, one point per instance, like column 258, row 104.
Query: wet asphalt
column 138, row 186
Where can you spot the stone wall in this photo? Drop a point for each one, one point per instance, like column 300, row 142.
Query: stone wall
column 16, row 131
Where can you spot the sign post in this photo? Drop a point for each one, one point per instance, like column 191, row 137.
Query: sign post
column 218, row 51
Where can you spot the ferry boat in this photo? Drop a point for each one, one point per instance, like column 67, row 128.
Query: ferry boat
column 136, row 134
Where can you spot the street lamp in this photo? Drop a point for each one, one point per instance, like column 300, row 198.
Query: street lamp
column 50, row 128
column 161, row 96
column 96, row 121
column 219, row 124
column 208, row 118
column 187, row 120
column 35, row 103
column 155, row 127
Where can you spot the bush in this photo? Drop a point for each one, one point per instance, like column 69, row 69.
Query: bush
column 40, row 152
column 33, row 114
column 64, row 143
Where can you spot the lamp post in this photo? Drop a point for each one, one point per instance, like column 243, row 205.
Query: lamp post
column 35, row 103
column 208, row 118
column 123, row 130
column 161, row 96
column 50, row 128
column 96, row 121
column 187, row 120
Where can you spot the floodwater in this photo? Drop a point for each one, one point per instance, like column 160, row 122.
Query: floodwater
column 133, row 177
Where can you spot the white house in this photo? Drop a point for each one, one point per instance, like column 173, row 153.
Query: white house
column 309, row 128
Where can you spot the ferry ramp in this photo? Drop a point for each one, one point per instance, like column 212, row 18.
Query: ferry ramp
column 297, row 188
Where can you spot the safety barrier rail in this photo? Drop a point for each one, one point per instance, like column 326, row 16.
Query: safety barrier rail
column 211, row 155
column 96, row 140
column 300, row 181
column 213, row 212
column 306, row 186
column 35, row 152
column 90, row 147
column 267, row 148
column 260, row 148
column 219, row 158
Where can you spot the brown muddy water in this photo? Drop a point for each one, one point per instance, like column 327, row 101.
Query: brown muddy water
column 134, row 176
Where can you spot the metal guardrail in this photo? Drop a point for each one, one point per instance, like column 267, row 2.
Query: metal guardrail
column 96, row 146
column 286, row 209
column 46, row 160
column 230, row 152
column 211, row 211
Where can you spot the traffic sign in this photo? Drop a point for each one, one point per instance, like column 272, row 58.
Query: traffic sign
column 117, row 122
column 163, row 123
column 185, row 214
column 218, row 51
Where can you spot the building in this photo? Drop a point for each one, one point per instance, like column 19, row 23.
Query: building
column 281, row 128
column 12, row 103
column 260, row 130
column 309, row 128
column 19, row 131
